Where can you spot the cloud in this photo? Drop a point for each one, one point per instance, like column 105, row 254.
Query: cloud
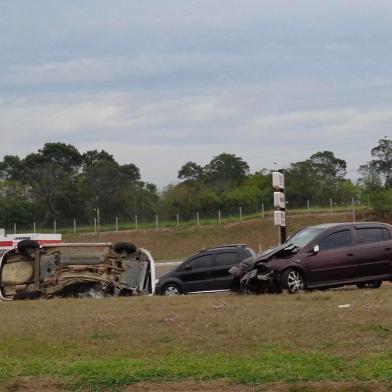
column 272, row 81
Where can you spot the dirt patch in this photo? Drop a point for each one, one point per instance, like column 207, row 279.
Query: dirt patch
column 188, row 386
column 224, row 386
column 327, row 386
column 33, row 384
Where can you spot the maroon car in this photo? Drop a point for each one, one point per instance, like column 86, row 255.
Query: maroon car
column 328, row 255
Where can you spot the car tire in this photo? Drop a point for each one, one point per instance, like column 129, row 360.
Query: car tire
column 375, row 284
column 171, row 289
column 127, row 247
column 26, row 246
column 292, row 280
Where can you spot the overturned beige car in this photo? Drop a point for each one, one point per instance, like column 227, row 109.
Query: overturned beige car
column 75, row 270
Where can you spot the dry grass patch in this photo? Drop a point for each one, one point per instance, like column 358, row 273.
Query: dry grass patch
column 178, row 243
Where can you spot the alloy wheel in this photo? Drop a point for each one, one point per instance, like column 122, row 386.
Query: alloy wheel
column 295, row 282
column 171, row 290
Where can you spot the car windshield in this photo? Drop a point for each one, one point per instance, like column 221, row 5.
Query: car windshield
column 304, row 236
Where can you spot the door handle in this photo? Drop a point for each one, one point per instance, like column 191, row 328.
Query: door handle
column 387, row 249
column 350, row 254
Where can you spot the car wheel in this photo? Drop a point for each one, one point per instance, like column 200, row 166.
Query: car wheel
column 370, row 285
column 293, row 281
column 126, row 247
column 171, row 289
column 26, row 246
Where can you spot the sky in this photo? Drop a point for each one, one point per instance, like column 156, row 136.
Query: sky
column 162, row 82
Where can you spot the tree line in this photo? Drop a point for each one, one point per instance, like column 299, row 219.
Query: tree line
column 59, row 183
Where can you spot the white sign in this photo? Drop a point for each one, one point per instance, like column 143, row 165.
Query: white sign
column 279, row 200
column 278, row 180
column 8, row 242
column 280, row 218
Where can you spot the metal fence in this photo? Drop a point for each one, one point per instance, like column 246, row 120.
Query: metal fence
column 98, row 224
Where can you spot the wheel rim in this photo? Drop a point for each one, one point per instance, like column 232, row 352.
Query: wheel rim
column 172, row 290
column 373, row 285
column 294, row 281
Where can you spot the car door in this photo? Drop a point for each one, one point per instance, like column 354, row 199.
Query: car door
column 196, row 274
column 223, row 261
column 335, row 261
column 374, row 247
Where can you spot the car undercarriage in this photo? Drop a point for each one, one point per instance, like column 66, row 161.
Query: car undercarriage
column 76, row 270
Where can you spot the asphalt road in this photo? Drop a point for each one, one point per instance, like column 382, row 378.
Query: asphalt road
column 161, row 267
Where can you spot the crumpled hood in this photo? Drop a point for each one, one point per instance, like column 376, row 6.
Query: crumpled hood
column 264, row 257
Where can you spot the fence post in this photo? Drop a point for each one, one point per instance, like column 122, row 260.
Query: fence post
column 34, row 228
column 178, row 219
column 262, row 210
column 54, row 226
column 308, row 203
column 98, row 224
column 135, row 222
column 14, row 228
column 240, row 213
column 116, row 223
column 331, row 205
column 74, row 226
column 219, row 217
column 156, row 221
column 353, row 209
column 197, row 218
column 95, row 225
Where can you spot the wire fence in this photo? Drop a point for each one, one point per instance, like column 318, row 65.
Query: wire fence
column 101, row 223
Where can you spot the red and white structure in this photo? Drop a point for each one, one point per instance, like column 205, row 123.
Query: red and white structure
column 9, row 241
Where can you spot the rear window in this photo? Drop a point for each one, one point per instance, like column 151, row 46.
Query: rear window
column 336, row 240
column 226, row 258
column 372, row 234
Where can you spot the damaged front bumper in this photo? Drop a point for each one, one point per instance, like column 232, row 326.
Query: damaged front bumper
column 258, row 280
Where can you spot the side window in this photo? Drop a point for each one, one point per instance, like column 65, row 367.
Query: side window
column 386, row 235
column 369, row 235
column 336, row 240
column 202, row 262
column 226, row 258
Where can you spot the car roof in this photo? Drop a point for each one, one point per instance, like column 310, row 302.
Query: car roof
column 356, row 224
column 220, row 247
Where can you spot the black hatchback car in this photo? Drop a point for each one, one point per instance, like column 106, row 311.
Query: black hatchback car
column 206, row 271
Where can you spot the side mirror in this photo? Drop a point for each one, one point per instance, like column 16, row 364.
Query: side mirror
column 188, row 267
column 316, row 249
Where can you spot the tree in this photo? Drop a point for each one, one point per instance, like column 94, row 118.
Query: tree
column 11, row 168
column 301, row 183
column 130, row 172
column 191, row 171
column 383, row 161
column 51, row 174
column 317, row 179
column 328, row 166
column 226, row 170
column 94, row 156
column 370, row 176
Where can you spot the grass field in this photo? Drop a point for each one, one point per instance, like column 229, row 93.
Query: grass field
column 177, row 243
column 302, row 342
